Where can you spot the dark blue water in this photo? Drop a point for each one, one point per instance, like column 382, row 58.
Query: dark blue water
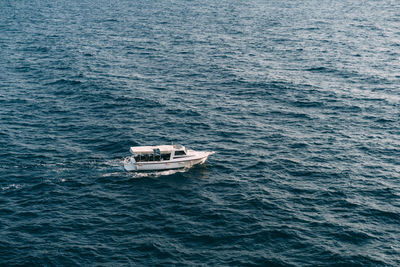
column 300, row 100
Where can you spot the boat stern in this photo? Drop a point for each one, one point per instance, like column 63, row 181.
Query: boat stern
column 129, row 165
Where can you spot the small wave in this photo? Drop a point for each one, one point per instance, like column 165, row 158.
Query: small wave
column 257, row 165
column 307, row 104
column 40, row 49
column 376, row 96
column 10, row 187
column 318, row 69
column 298, row 145
column 183, row 113
column 64, row 82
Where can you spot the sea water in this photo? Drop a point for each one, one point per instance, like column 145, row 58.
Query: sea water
column 300, row 100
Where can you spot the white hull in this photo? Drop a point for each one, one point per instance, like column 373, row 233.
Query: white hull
column 194, row 158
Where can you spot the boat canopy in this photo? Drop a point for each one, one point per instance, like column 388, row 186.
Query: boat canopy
column 141, row 150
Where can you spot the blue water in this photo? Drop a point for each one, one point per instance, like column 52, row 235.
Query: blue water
column 300, row 100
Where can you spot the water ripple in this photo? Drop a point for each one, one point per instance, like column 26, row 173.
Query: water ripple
column 300, row 101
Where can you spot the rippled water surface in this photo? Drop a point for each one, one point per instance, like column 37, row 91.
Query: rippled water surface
column 300, row 100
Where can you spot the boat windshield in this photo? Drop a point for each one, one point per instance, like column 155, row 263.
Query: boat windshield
column 180, row 153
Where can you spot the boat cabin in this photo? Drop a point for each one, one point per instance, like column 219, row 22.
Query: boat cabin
column 158, row 153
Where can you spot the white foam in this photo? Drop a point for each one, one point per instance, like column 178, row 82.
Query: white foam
column 155, row 174
column 11, row 186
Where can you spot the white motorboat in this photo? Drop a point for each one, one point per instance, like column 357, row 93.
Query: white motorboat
column 164, row 157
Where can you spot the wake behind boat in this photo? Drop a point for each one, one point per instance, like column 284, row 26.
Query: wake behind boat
column 164, row 157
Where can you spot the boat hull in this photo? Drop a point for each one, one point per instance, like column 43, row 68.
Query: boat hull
column 189, row 162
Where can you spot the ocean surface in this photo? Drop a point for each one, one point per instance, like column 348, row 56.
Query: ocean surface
column 299, row 99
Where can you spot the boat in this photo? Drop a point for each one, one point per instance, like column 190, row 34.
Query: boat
column 164, row 157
